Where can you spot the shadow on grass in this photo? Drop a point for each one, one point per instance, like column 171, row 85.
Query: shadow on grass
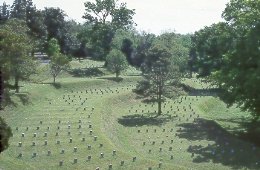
column 24, row 98
column 201, row 92
column 7, row 102
column 248, row 129
column 56, row 85
column 149, row 119
column 226, row 149
column 86, row 72
column 252, row 132
column 116, row 79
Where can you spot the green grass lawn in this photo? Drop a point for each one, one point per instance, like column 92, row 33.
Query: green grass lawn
column 89, row 114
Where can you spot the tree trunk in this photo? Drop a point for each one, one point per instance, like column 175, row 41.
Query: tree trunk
column 54, row 78
column 159, row 104
column 16, row 84
column 159, row 98
column 117, row 74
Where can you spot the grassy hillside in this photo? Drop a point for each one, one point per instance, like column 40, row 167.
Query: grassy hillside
column 89, row 120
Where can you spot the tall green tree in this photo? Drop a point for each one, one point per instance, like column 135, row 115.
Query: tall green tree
column 161, row 75
column 126, row 41
column 19, row 9
column 25, row 10
column 104, row 18
column 54, row 20
column 239, row 77
column 229, row 52
column 116, row 62
column 58, row 61
column 144, row 43
column 179, row 46
column 15, row 51
column 210, row 44
column 4, row 13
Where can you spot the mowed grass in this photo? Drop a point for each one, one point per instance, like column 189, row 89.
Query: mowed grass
column 88, row 114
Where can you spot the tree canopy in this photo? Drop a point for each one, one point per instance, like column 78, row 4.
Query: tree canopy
column 161, row 75
column 116, row 62
column 15, row 50
column 229, row 53
column 104, row 17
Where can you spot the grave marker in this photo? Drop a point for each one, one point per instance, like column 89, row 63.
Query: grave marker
column 20, row 144
column 89, row 157
column 160, row 164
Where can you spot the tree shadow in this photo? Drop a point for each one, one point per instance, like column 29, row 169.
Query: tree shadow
column 56, row 85
column 149, row 119
column 86, row 72
column 247, row 130
column 201, row 92
column 116, row 79
column 251, row 132
column 24, row 98
column 226, row 149
column 7, row 101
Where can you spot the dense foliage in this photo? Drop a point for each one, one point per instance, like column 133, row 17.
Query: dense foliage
column 116, row 62
column 229, row 52
column 5, row 134
column 15, row 50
